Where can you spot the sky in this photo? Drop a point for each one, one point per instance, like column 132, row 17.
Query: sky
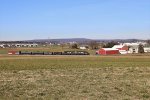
column 94, row 19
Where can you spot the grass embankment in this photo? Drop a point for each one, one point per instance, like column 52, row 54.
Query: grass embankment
column 75, row 77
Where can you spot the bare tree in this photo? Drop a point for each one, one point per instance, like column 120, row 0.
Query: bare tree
column 62, row 45
column 148, row 42
column 110, row 44
column 93, row 45
column 74, row 46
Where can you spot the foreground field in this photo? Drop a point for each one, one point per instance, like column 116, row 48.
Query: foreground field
column 75, row 77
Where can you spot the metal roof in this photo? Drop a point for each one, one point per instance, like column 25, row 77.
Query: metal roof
column 108, row 49
column 118, row 46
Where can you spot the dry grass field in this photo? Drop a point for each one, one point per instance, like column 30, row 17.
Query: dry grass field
column 74, row 77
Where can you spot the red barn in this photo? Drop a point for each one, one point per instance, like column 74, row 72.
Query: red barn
column 108, row 51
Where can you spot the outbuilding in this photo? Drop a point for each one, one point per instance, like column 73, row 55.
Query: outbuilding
column 146, row 49
column 2, row 46
column 13, row 52
column 83, row 47
column 108, row 51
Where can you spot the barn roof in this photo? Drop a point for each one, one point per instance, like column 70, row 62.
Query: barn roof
column 108, row 49
column 118, row 46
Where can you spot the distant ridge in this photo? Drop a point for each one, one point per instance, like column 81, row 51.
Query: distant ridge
column 82, row 40
column 62, row 40
column 78, row 40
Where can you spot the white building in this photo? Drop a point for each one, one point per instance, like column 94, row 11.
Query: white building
column 123, row 52
column 131, row 44
column 2, row 46
column 146, row 49
column 26, row 45
column 133, row 47
column 83, row 47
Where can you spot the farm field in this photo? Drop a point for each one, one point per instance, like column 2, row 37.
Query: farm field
column 74, row 77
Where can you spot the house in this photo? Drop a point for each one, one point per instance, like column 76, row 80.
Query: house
column 133, row 49
column 108, row 51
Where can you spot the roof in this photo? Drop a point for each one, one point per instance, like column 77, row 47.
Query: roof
column 134, row 46
column 131, row 44
column 118, row 46
column 108, row 49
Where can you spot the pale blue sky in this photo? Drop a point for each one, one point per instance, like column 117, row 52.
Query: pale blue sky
column 95, row 19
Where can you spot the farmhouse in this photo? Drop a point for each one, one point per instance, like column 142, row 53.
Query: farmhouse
column 108, row 51
column 133, row 47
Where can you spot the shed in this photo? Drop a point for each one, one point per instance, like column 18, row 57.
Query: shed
column 108, row 51
column 12, row 52
column 83, row 47
column 123, row 51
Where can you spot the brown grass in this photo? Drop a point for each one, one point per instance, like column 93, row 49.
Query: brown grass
column 74, row 77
